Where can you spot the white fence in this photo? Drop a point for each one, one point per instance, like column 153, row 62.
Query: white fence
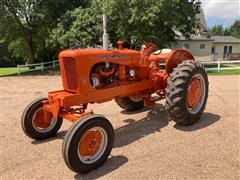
column 38, row 66
column 219, row 63
column 42, row 66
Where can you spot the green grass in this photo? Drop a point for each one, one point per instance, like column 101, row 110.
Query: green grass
column 222, row 65
column 225, row 72
column 8, row 71
column 12, row 71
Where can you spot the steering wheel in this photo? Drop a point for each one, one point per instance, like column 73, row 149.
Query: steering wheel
column 153, row 40
column 150, row 40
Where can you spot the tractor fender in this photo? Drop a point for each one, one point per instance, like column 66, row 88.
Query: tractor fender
column 176, row 57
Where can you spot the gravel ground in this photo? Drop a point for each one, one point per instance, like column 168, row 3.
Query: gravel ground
column 148, row 145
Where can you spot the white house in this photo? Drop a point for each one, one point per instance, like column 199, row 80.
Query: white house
column 205, row 47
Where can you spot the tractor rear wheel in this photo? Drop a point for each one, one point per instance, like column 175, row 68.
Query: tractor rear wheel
column 34, row 124
column 88, row 143
column 187, row 92
column 130, row 104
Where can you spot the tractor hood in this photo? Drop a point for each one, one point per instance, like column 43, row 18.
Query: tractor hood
column 100, row 55
column 76, row 64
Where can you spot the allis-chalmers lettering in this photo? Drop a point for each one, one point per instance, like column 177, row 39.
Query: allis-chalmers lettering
column 113, row 56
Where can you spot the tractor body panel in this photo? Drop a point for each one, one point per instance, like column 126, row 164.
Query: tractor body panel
column 76, row 65
column 176, row 57
column 68, row 99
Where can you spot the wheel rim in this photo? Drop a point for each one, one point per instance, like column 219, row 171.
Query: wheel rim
column 92, row 145
column 195, row 93
column 39, row 122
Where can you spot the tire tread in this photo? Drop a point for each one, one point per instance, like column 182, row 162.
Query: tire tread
column 177, row 85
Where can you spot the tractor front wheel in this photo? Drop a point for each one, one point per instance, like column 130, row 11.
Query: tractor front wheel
column 130, row 104
column 187, row 92
column 34, row 123
column 88, row 143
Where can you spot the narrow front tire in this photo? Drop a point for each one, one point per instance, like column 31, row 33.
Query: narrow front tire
column 88, row 143
column 34, row 124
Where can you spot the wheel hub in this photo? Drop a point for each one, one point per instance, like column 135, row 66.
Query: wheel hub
column 195, row 92
column 90, row 143
column 40, row 120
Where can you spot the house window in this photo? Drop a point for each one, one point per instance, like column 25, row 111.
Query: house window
column 214, row 49
column 202, row 46
column 227, row 50
column 187, row 46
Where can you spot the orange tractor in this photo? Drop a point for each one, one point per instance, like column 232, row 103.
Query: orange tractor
column 131, row 78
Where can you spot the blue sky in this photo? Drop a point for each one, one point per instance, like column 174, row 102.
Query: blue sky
column 223, row 12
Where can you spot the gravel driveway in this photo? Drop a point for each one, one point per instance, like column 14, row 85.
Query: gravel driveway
column 148, row 145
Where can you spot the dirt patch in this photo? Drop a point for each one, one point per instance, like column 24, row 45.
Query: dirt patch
column 147, row 144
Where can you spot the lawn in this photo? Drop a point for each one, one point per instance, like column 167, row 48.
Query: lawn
column 8, row 71
column 12, row 71
column 222, row 65
column 225, row 72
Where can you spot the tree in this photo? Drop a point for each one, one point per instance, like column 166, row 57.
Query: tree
column 24, row 17
column 234, row 30
column 78, row 28
column 218, row 30
column 130, row 20
column 27, row 23
column 134, row 21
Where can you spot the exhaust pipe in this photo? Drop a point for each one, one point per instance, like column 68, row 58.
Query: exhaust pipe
column 105, row 35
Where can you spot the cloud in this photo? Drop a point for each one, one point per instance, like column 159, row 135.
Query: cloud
column 225, row 11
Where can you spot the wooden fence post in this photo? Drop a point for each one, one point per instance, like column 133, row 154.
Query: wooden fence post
column 18, row 69
column 54, row 65
column 219, row 65
column 42, row 66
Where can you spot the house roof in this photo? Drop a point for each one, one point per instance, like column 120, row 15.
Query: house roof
column 200, row 17
column 201, row 32
column 225, row 39
column 193, row 38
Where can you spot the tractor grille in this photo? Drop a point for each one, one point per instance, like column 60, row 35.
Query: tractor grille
column 69, row 73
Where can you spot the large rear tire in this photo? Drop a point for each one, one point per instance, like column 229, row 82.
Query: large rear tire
column 130, row 104
column 88, row 143
column 187, row 92
column 34, row 124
